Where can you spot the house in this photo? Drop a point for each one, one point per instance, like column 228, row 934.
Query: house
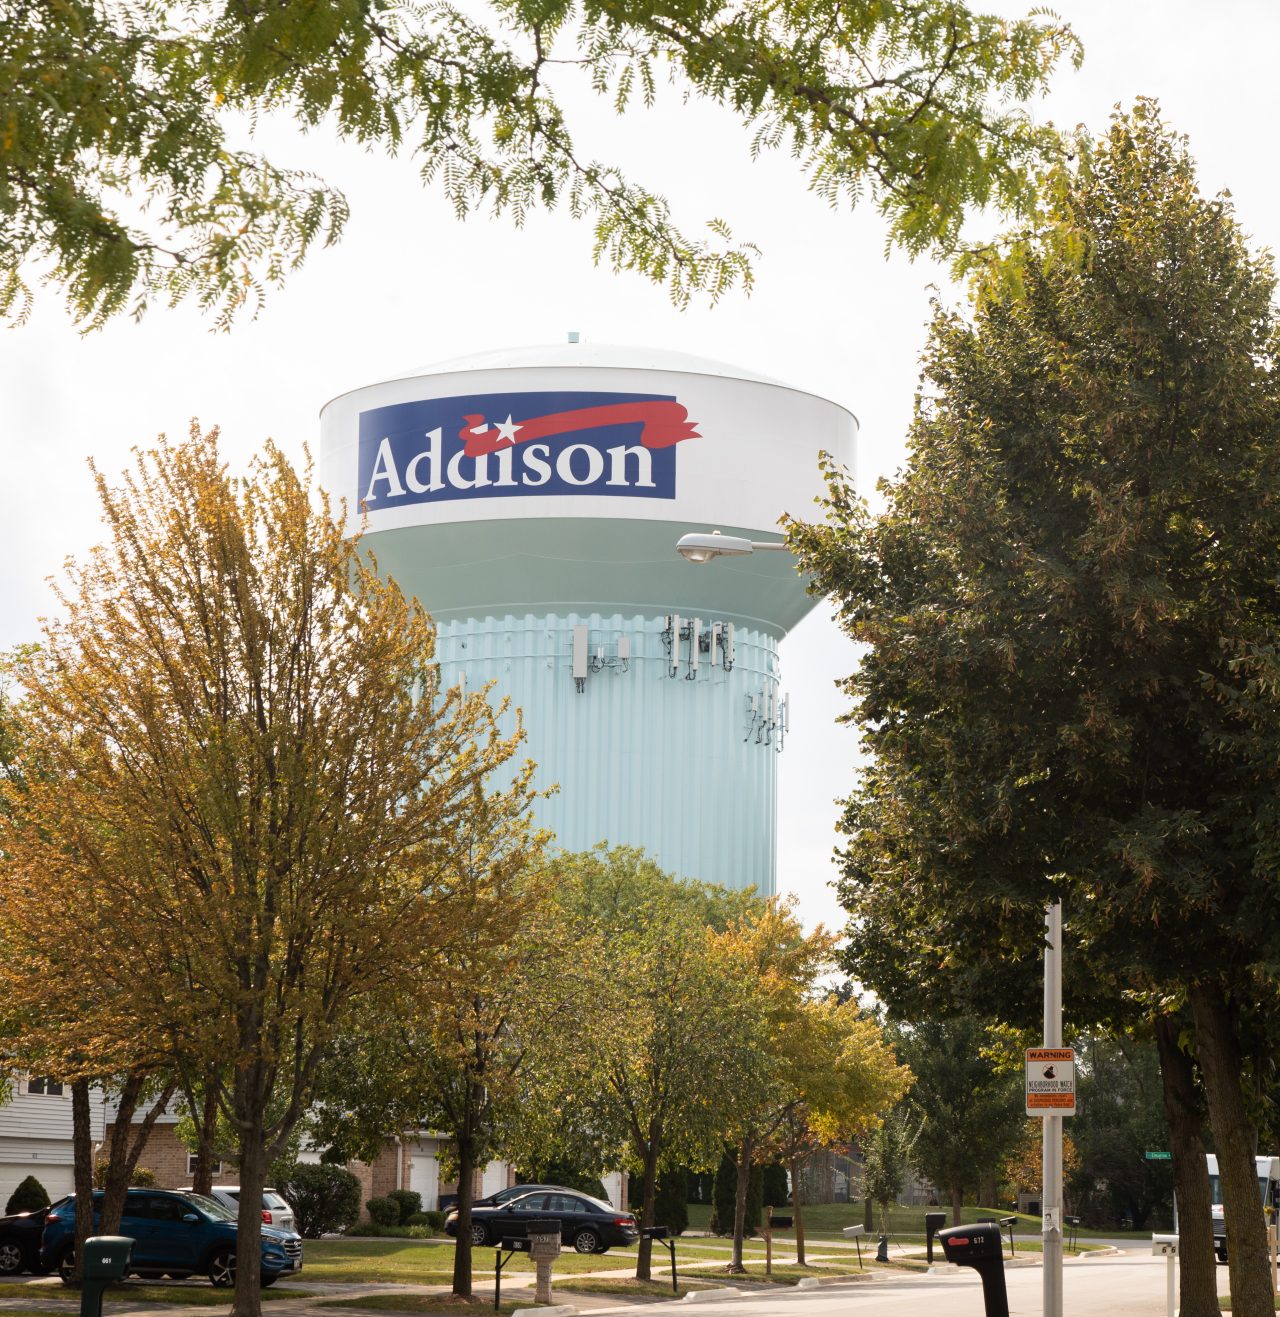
column 35, row 1134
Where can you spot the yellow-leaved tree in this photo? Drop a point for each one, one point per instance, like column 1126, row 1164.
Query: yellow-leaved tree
column 249, row 788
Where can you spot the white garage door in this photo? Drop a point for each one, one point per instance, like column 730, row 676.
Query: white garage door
column 495, row 1178
column 424, row 1173
column 57, row 1180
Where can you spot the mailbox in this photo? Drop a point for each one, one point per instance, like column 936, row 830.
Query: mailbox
column 781, row 1222
column 980, row 1246
column 933, row 1222
column 1164, row 1246
column 106, row 1259
column 655, row 1232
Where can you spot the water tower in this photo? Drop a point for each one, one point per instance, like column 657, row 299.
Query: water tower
column 532, row 500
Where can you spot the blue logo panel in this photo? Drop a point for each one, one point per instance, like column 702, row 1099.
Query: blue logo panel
column 506, row 445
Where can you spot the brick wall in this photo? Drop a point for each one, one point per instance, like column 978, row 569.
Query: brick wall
column 166, row 1157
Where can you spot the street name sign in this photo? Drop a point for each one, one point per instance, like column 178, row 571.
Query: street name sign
column 1051, row 1081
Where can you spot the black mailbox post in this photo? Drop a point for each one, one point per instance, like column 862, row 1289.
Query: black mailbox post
column 980, row 1246
column 106, row 1259
column 933, row 1222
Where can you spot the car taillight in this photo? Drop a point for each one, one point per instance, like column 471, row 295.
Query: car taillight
column 51, row 1218
column 624, row 1220
column 266, row 1217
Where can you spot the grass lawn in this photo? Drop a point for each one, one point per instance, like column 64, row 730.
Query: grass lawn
column 905, row 1223
column 411, row 1263
column 201, row 1295
column 624, row 1285
column 444, row 1303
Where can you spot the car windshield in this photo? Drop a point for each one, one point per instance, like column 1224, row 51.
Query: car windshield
column 599, row 1204
column 274, row 1202
column 211, row 1207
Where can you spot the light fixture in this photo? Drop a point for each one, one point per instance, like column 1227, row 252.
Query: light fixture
column 702, row 548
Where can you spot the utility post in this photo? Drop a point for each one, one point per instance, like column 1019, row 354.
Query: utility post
column 1051, row 1206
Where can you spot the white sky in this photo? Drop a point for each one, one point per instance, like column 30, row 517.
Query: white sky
column 409, row 285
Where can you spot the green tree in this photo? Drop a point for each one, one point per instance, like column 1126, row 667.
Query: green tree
column 887, row 1153
column 454, row 1050
column 1070, row 605
column 1119, row 1119
column 969, row 1108
column 252, row 784
column 120, row 183
column 654, row 1089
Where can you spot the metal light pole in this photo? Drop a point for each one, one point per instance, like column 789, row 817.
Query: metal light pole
column 1051, row 1207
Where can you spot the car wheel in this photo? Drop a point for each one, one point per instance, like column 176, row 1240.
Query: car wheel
column 222, row 1268
column 67, row 1267
column 10, row 1257
column 268, row 1278
column 587, row 1241
column 479, row 1234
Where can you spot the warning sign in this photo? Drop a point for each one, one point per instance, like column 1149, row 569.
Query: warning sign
column 1051, row 1081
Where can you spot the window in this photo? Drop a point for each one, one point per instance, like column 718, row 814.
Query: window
column 191, row 1165
column 43, row 1084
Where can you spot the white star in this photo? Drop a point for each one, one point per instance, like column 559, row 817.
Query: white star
column 507, row 430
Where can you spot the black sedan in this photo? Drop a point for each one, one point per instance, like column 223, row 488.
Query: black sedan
column 20, row 1242
column 587, row 1224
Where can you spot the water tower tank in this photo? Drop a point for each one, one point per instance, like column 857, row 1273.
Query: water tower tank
column 532, row 500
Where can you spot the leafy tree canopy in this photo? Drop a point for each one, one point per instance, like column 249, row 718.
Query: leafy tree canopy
column 121, row 181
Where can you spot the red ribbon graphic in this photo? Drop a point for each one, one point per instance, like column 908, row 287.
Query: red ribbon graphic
column 664, row 424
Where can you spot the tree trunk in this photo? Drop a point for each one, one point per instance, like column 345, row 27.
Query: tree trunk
column 868, row 1214
column 648, row 1207
column 253, row 1174
column 1218, row 1051
column 741, row 1188
column 988, row 1189
column 797, row 1206
column 957, row 1204
column 466, row 1194
column 206, row 1128
column 115, row 1183
column 82, row 1165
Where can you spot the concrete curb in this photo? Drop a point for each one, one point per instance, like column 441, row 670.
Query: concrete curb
column 704, row 1296
column 553, row 1310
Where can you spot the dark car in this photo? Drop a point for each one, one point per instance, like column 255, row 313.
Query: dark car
column 20, row 1241
column 448, row 1201
column 174, row 1235
column 587, row 1224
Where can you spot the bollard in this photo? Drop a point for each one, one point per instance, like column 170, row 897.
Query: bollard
column 933, row 1222
column 106, row 1259
column 1166, row 1246
column 980, row 1246
column 882, row 1249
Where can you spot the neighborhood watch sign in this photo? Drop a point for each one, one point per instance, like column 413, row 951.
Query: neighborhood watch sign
column 496, row 445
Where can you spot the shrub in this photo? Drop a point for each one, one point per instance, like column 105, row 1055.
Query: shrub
column 775, row 1185
column 29, row 1196
column 418, row 1219
column 671, row 1207
column 725, row 1192
column 140, row 1179
column 371, row 1230
column 435, row 1220
column 323, row 1198
column 384, row 1211
column 409, row 1202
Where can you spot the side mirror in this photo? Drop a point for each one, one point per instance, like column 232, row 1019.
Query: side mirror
column 191, row 1218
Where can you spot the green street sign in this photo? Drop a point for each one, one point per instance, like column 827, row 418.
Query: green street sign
column 1159, row 1156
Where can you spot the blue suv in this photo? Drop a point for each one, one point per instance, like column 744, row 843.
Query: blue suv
column 174, row 1235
